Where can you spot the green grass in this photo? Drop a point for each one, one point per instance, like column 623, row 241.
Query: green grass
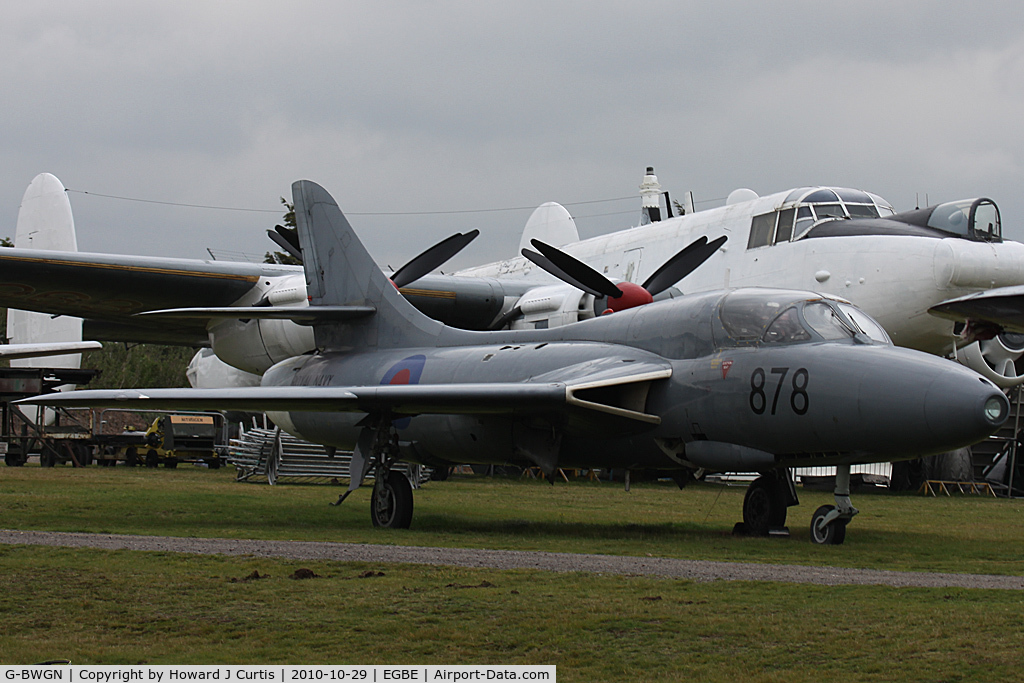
column 104, row 607
column 968, row 534
column 101, row 607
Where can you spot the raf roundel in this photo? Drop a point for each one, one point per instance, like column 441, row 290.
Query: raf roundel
column 406, row 371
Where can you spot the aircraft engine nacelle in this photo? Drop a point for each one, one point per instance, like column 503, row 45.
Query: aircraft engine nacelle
column 254, row 345
column 552, row 306
column 207, row 371
column 997, row 359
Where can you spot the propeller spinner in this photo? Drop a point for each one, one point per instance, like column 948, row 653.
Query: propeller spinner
column 625, row 294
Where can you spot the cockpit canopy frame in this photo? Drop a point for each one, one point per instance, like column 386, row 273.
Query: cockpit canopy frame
column 825, row 210
column 806, row 207
column 756, row 316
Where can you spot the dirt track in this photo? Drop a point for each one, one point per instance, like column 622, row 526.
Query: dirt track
column 514, row 559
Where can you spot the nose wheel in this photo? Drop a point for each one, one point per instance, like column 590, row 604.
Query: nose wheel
column 824, row 532
column 828, row 524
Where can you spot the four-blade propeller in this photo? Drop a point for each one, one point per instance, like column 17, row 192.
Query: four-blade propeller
column 625, row 294
column 431, row 259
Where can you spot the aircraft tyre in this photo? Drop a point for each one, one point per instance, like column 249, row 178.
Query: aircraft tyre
column 833, row 533
column 764, row 507
column 391, row 503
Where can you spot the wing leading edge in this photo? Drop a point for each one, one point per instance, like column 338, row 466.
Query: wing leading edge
column 597, row 395
column 1002, row 307
column 10, row 351
column 398, row 399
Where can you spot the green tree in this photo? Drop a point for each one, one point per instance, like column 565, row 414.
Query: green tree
column 280, row 256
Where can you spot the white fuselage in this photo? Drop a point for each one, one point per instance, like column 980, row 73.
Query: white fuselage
column 894, row 278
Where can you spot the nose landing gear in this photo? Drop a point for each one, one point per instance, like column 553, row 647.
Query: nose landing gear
column 828, row 524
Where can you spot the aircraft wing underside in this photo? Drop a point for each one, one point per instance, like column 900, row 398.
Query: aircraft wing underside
column 1002, row 307
column 107, row 289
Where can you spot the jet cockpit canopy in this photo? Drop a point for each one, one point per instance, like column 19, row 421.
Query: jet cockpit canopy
column 777, row 316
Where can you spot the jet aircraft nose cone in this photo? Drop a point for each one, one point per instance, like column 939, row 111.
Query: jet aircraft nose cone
column 954, row 405
column 913, row 404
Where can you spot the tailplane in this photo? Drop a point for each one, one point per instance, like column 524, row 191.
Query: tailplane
column 341, row 273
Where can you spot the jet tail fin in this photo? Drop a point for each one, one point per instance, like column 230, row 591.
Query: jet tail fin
column 340, row 272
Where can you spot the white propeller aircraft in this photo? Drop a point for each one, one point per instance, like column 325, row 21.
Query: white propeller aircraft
column 844, row 242
column 839, row 241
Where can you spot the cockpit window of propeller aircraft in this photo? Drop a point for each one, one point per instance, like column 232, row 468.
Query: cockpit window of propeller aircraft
column 810, row 206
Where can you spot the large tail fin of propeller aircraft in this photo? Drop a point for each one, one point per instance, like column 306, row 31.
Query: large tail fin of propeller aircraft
column 45, row 222
column 358, row 306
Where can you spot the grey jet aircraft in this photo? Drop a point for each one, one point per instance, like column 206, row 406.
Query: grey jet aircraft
column 745, row 380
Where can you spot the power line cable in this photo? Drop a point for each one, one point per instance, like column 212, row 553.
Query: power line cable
column 351, row 213
column 154, row 201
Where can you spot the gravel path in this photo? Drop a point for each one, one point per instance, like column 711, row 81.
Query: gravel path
column 516, row 559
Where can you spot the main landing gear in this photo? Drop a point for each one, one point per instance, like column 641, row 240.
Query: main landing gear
column 391, row 503
column 766, row 503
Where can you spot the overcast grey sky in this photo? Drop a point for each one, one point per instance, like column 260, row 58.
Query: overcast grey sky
column 455, row 106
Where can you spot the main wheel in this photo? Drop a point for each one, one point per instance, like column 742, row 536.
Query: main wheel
column 391, row 504
column 763, row 507
column 833, row 533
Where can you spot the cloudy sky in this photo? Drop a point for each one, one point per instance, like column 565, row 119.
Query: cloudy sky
column 419, row 116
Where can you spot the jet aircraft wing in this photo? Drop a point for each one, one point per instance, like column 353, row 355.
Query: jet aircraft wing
column 1002, row 307
column 594, row 394
column 399, row 399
